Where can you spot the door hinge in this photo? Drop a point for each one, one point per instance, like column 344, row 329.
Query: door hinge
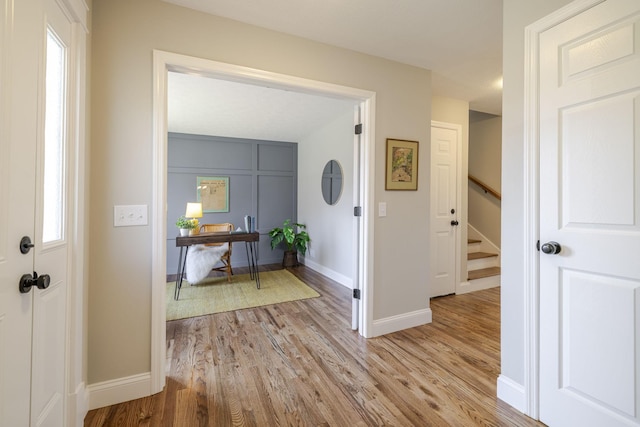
column 357, row 211
column 538, row 245
column 358, row 129
column 356, row 293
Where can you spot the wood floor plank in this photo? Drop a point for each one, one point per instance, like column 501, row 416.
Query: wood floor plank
column 300, row 364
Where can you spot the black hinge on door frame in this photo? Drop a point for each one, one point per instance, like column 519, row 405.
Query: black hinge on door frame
column 356, row 293
column 538, row 245
column 358, row 129
column 357, row 211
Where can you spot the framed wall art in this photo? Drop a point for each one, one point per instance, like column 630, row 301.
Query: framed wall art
column 213, row 193
column 402, row 165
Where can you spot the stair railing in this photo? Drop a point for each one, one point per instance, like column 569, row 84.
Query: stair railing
column 485, row 187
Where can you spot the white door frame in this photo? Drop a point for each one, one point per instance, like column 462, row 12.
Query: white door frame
column 531, row 197
column 163, row 62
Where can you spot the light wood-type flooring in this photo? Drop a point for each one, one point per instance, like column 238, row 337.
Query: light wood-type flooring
column 300, row 364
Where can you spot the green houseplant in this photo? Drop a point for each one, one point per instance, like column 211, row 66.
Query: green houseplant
column 295, row 238
column 185, row 225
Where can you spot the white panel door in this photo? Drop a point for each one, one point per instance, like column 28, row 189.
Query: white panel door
column 18, row 91
column 34, row 114
column 444, row 208
column 590, row 206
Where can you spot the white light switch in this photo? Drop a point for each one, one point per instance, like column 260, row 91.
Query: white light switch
column 382, row 209
column 128, row 215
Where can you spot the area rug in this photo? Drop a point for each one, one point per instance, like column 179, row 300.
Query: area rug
column 217, row 295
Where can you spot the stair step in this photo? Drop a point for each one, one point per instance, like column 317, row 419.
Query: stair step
column 473, row 245
column 483, row 272
column 479, row 255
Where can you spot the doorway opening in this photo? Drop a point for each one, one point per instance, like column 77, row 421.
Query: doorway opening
column 165, row 62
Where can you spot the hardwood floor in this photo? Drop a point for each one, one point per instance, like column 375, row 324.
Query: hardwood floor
column 300, row 364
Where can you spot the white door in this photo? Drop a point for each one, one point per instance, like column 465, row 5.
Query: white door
column 34, row 72
column 590, row 206
column 358, row 231
column 445, row 218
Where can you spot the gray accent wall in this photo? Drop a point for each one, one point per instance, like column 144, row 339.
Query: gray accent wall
column 263, row 179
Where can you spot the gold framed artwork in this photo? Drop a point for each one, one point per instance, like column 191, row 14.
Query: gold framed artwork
column 213, row 193
column 401, row 165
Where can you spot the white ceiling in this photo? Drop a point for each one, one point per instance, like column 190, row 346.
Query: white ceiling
column 459, row 40
column 205, row 106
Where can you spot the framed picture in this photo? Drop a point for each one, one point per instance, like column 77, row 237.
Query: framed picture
column 402, row 165
column 213, row 193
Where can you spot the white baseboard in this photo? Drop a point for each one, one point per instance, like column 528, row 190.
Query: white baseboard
column 511, row 393
column 120, row 390
column 478, row 284
column 401, row 321
column 77, row 406
column 345, row 281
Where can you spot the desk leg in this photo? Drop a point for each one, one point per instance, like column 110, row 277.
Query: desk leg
column 252, row 258
column 180, row 275
column 246, row 248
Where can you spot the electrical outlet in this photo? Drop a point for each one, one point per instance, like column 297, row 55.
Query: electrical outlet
column 129, row 215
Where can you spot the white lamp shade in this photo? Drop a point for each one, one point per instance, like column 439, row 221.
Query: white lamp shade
column 194, row 210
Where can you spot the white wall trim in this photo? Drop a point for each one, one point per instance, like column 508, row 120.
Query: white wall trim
column 401, row 322
column 78, row 405
column 163, row 62
column 511, row 392
column 120, row 390
column 331, row 274
column 478, row 284
column 158, row 223
column 77, row 11
column 531, row 197
column 76, row 398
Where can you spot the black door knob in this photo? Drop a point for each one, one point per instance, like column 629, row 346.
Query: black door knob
column 454, row 222
column 27, row 281
column 551, row 248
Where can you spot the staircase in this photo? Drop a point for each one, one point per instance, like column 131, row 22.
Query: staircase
column 483, row 268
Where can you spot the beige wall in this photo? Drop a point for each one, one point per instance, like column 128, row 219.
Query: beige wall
column 517, row 14
column 485, row 154
column 124, row 34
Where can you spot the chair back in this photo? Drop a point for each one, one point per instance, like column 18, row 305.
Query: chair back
column 212, row 228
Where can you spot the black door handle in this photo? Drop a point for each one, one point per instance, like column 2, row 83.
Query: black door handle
column 454, row 222
column 27, row 281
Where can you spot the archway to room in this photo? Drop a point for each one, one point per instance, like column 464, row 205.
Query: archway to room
column 268, row 147
column 165, row 63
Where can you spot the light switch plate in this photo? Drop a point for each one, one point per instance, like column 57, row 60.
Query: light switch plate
column 382, row 209
column 129, row 215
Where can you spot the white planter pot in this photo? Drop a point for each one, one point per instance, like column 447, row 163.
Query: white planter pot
column 184, row 232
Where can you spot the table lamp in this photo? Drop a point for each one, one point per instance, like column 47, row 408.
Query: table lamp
column 194, row 211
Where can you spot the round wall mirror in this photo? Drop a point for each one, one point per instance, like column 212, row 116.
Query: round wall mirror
column 332, row 182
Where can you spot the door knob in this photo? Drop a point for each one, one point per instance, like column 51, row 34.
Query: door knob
column 27, row 281
column 551, row 248
column 454, row 222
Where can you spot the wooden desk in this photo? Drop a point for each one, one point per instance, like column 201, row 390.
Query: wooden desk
column 250, row 240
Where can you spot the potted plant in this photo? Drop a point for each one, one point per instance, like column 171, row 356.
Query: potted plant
column 295, row 239
column 185, row 225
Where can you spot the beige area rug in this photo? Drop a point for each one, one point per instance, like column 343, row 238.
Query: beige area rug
column 217, row 295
